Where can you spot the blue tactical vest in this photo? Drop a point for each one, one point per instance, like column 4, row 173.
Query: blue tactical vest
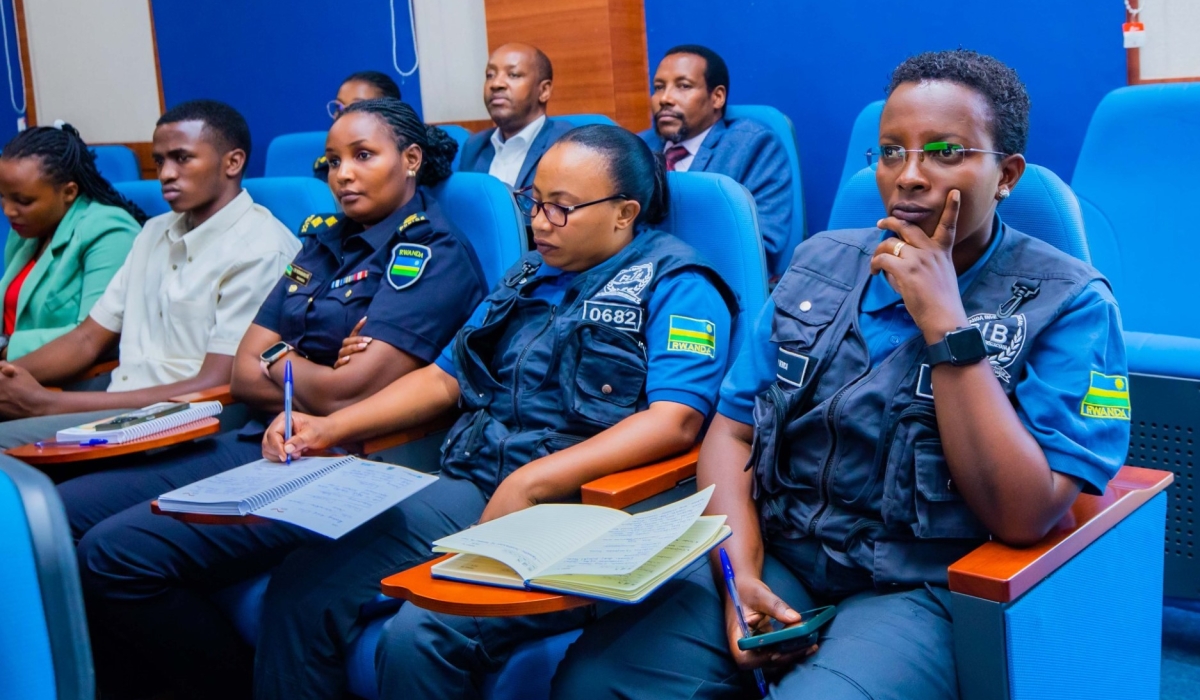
column 536, row 378
column 850, row 454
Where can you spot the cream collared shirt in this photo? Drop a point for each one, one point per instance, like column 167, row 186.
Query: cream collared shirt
column 510, row 154
column 183, row 294
column 692, row 145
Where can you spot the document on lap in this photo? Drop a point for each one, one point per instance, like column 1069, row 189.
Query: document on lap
column 327, row 495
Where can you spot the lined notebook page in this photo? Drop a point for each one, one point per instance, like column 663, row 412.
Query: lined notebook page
column 533, row 538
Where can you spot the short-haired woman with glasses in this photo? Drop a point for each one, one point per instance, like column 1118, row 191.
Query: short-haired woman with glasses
column 909, row 391
column 573, row 368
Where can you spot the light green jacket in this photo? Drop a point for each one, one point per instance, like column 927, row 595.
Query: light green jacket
column 88, row 247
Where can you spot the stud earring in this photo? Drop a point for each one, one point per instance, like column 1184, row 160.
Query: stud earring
column 412, row 173
column 1002, row 194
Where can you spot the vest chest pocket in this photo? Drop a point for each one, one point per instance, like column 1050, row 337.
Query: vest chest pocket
column 805, row 305
column 603, row 373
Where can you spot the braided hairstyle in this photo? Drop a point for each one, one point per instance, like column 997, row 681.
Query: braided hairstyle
column 66, row 158
column 437, row 147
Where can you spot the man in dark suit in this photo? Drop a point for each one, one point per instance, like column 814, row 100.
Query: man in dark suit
column 691, row 85
column 517, row 87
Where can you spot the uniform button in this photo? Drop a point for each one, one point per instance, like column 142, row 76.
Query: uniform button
column 606, row 389
column 125, row 378
column 310, row 300
column 292, row 288
column 894, row 340
column 189, row 258
column 349, row 292
column 174, row 267
column 806, row 305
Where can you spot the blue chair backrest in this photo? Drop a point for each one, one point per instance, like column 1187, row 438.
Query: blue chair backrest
column 147, row 194
column 703, row 203
column 1041, row 205
column 44, row 650
column 578, row 120
column 482, row 208
column 291, row 199
column 1137, row 186
column 292, row 155
column 863, row 135
column 117, row 163
column 460, row 135
column 779, row 123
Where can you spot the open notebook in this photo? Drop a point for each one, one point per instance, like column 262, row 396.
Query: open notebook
column 589, row 551
column 144, row 422
column 328, row 495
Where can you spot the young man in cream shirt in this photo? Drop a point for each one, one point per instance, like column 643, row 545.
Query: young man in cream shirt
column 185, row 296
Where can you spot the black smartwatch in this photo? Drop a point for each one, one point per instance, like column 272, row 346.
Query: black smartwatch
column 270, row 355
column 960, row 348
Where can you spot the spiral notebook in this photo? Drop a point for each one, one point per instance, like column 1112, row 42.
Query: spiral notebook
column 144, row 422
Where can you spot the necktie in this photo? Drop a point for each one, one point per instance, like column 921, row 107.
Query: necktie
column 674, row 155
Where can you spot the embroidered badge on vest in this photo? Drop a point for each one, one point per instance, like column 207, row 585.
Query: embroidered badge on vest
column 791, row 367
column 409, row 260
column 629, row 283
column 1004, row 338
column 1107, row 397
column 692, row 335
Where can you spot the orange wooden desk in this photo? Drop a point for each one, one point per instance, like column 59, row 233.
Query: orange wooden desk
column 419, row 587
column 63, row 454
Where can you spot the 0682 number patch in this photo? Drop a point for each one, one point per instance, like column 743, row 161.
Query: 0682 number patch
column 621, row 316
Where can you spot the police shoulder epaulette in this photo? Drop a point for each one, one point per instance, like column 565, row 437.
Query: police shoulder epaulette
column 319, row 222
column 412, row 220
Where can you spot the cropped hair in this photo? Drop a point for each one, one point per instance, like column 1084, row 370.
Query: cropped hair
column 437, row 147
column 223, row 121
column 545, row 68
column 635, row 170
column 380, row 81
column 996, row 82
column 715, row 71
column 66, row 158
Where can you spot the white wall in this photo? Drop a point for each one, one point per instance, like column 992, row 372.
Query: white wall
column 452, row 42
column 1172, row 47
column 93, row 65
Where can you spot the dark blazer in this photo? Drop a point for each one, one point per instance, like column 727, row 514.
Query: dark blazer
column 750, row 153
column 477, row 153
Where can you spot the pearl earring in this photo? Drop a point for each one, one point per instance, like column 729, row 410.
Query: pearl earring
column 1002, row 194
column 412, row 173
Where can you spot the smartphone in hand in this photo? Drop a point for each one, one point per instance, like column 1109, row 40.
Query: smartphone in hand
column 793, row 637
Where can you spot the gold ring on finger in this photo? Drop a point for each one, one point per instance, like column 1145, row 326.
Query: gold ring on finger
column 899, row 247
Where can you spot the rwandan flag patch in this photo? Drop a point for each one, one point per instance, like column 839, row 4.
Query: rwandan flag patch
column 409, row 260
column 692, row 335
column 1107, row 397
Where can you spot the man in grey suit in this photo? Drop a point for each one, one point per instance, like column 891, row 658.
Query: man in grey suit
column 691, row 86
column 517, row 87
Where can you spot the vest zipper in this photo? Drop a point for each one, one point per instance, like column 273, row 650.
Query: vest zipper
column 825, row 468
column 517, row 391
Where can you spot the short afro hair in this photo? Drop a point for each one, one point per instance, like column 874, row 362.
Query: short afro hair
column 999, row 85
column 545, row 68
column 223, row 122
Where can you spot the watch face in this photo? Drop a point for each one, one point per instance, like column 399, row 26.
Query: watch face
column 966, row 346
column 272, row 353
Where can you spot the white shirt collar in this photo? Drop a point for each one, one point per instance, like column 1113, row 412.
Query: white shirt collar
column 520, row 139
column 693, row 144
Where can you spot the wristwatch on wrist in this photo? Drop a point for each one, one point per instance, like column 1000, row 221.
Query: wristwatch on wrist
column 960, row 348
column 271, row 354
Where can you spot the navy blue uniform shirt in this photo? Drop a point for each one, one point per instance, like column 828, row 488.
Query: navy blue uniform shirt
column 412, row 276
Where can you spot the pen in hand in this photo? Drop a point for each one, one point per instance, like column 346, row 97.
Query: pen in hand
column 287, row 406
column 731, row 586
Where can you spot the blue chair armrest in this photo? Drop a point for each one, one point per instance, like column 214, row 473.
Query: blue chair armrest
column 1164, row 355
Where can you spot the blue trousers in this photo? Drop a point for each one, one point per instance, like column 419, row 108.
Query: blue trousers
column 147, row 579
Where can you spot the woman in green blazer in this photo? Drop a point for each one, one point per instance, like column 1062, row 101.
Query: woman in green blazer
column 70, row 234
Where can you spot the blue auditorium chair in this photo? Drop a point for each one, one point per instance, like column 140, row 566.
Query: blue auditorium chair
column 291, row 199
column 44, row 648
column 460, row 135
column 117, row 163
column 578, row 120
column 481, row 207
column 147, row 194
column 782, row 126
column 863, row 135
column 293, row 155
column 1138, row 193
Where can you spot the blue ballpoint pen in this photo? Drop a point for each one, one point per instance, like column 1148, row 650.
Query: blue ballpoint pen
column 287, row 404
column 731, row 586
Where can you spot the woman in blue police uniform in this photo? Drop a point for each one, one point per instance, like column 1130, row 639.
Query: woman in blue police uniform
column 565, row 373
column 393, row 268
column 876, row 452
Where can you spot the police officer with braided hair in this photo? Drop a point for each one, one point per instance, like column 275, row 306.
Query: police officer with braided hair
column 70, row 234
column 391, row 268
column 600, row 351
column 908, row 392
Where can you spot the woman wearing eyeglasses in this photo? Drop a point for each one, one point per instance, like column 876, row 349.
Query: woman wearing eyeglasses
column 360, row 86
column 571, row 369
column 909, row 391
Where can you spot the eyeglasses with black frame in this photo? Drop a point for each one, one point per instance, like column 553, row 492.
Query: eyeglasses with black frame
column 556, row 214
column 334, row 108
column 940, row 152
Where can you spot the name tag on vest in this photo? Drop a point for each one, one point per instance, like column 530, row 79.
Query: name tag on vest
column 625, row 317
column 925, row 383
column 791, row 367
